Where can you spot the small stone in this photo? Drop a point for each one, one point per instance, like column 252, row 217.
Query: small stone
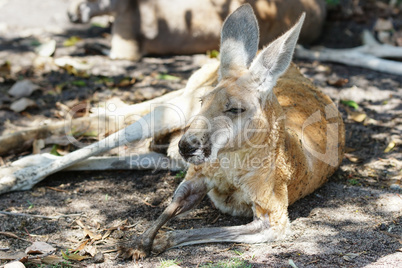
column 99, row 257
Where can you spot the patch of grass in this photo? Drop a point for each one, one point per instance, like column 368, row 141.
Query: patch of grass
column 30, row 204
column 353, row 182
column 180, row 175
column 231, row 263
column 167, row 263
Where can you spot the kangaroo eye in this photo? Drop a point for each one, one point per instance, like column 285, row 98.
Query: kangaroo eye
column 236, row 110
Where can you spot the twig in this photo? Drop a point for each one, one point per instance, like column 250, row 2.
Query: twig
column 56, row 189
column 8, row 234
column 39, row 216
column 215, row 220
column 29, row 235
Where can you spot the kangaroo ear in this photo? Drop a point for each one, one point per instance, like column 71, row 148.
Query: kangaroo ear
column 276, row 57
column 239, row 40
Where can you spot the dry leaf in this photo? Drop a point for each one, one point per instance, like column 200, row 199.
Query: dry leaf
column 80, row 223
column 70, row 62
column 352, row 158
column 92, row 235
column 87, row 232
column 390, row 146
column 91, row 250
column 357, row 116
column 46, row 49
column 22, row 88
column 40, row 248
column 7, row 256
column 21, row 104
column 337, row 82
column 108, row 232
column 81, row 246
column 73, row 256
column 52, row 259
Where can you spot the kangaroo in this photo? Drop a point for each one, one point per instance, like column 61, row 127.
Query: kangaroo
column 265, row 137
column 162, row 27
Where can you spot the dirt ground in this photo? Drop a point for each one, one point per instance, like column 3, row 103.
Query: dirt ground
column 355, row 220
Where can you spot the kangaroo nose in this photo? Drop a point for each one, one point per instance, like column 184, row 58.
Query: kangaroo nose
column 189, row 145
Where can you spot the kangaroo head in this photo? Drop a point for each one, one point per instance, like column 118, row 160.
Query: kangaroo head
column 234, row 112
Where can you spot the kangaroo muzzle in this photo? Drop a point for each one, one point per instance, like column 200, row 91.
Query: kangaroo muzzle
column 193, row 150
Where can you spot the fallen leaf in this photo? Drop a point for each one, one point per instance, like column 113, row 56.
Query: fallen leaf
column 66, row 61
column 125, row 82
column 213, row 53
column 91, row 250
column 21, row 104
column 72, row 41
column 92, row 235
column 22, row 88
column 390, row 146
column 352, row 158
column 7, row 256
column 350, row 103
column 81, row 246
column 73, row 256
column 52, row 259
column 46, row 49
column 5, row 69
column 80, row 83
column 337, row 82
column 40, row 248
column 357, row 116
column 53, row 151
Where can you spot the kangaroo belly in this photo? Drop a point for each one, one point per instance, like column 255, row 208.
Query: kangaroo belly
column 231, row 200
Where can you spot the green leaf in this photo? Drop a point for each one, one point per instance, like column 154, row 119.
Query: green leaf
column 168, row 77
column 71, row 41
column 80, row 83
column 350, row 103
column 100, row 25
column 213, row 53
column 54, row 150
column 180, row 175
column 72, row 256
